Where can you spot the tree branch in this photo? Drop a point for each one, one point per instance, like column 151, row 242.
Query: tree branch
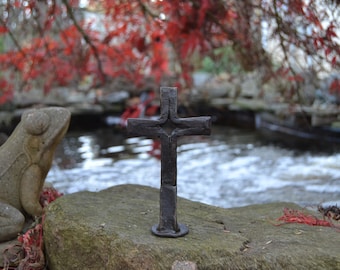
column 11, row 35
column 86, row 38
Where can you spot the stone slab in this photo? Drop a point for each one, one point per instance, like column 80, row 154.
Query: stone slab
column 111, row 230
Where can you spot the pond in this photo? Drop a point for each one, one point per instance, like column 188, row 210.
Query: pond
column 230, row 168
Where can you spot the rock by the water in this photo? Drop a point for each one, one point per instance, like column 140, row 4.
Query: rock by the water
column 111, row 230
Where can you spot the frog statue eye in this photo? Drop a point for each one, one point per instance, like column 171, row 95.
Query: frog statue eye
column 35, row 122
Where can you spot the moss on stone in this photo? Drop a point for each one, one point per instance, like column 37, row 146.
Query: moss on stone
column 111, row 230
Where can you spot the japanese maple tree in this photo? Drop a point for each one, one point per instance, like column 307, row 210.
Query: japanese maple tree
column 47, row 43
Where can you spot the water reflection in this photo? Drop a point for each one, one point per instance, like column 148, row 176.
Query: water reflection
column 230, row 168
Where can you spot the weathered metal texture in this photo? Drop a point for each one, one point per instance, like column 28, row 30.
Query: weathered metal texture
column 168, row 128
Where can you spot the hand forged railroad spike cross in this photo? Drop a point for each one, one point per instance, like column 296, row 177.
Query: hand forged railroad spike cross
column 168, row 128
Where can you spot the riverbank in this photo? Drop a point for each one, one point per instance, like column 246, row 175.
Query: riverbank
column 238, row 101
column 291, row 130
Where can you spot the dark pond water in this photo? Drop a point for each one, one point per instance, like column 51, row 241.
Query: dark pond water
column 229, row 168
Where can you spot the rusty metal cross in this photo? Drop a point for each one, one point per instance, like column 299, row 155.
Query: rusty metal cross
column 168, row 128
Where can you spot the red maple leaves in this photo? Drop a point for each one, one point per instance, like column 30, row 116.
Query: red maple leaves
column 296, row 216
column 51, row 43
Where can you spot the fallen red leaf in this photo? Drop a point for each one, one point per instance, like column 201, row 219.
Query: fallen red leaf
column 296, row 216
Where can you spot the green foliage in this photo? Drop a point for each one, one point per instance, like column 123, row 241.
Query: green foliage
column 2, row 44
column 221, row 60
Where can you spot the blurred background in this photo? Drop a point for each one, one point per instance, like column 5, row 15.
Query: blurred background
column 267, row 72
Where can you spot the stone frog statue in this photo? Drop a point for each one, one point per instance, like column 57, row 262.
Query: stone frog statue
column 25, row 159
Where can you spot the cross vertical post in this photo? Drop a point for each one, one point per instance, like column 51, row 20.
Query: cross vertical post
column 168, row 128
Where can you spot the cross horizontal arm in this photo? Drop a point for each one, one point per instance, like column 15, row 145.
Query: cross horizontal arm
column 192, row 126
column 144, row 127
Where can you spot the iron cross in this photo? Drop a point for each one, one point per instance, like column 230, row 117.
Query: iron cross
column 168, row 128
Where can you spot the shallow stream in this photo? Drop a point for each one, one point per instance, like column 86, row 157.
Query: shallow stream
column 230, row 168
